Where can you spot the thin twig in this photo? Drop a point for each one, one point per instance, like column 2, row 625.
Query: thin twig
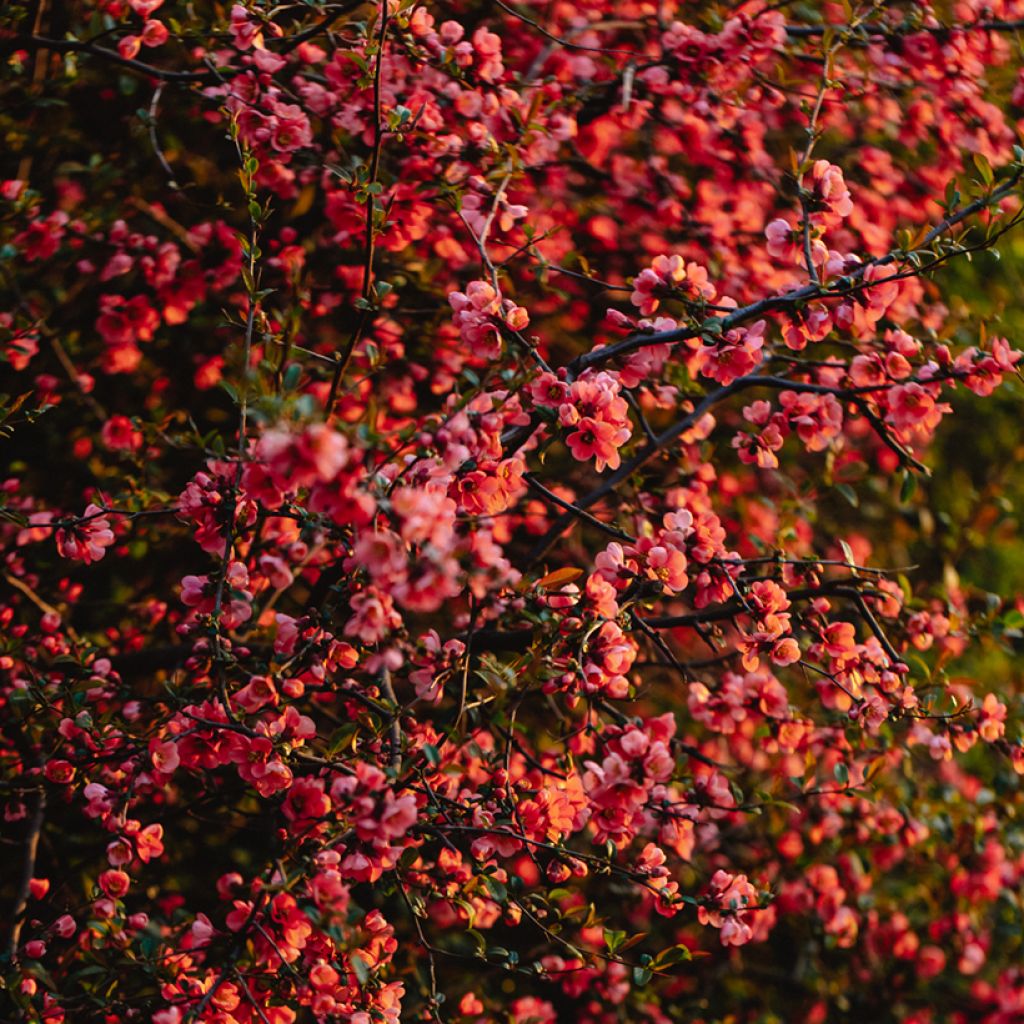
column 28, row 868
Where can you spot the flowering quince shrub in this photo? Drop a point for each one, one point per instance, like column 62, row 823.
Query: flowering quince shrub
column 430, row 584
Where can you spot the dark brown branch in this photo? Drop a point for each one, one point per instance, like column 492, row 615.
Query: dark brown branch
column 788, row 299
column 662, row 441
column 395, row 734
column 862, row 606
column 28, row 869
column 498, row 641
column 729, row 610
column 156, row 659
column 896, row 32
column 519, row 640
column 34, row 42
column 572, row 509
column 365, row 314
column 560, row 40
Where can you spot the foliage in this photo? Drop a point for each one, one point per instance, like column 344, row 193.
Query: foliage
column 510, row 512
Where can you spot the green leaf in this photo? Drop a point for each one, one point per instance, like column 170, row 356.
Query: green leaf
column 361, row 969
column 849, row 494
column 641, row 975
column 481, row 942
column 498, row 891
column 671, row 956
column 909, row 486
column 842, row 774
column 984, row 168
column 847, row 553
column 613, row 939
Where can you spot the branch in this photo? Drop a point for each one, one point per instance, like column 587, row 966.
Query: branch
column 663, row 440
column 830, row 588
column 28, row 869
column 366, row 313
column 788, row 299
column 395, row 734
column 519, row 640
column 34, row 42
column 574, row 510
column 897, row 32
column 154, row 659
column 561, row 41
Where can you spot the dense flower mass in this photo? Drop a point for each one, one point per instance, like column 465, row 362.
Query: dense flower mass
column 468, row 551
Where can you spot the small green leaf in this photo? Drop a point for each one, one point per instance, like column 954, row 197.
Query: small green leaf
column 847, row 553
column 909, row 486
column 849, row 494
column 361, row 969
column 498, row 891
column 672, row 955
column 641, row 975
column 984, row 168
column 1013, row 619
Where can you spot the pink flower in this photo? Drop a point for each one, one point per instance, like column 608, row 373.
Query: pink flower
column 669, row 275
column 730, row 906
column 244, row 32
column 427, row 516
column 164, row 756
column 171, row 1015
column 154, row 33
column 257, row 693
column 615, row 567
column 373, row 617
column 114, row 883
column 129, row 46
column 87, row 540
column 667, row 564
column 817, row 419
column 119, row 434
column 194, row 590
column 548, row 390
column 913, row 410
column 785, row 652
column 597, row 440
column 830, row 188
column 290, row 128
column 323, row 450
column 276, row 570
column 782, row 240
column 397, row 816
column 149, row 842
column 992, row 723
column 609, row 657
column 475, row 314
